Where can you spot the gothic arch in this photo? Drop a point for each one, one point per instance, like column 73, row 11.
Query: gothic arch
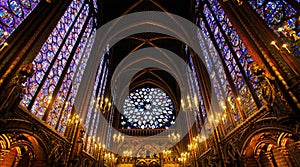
column 57, row 155
column 266, row 147
column 22, row 150
column 264, row 125
column 20, row 126
column 266, row 129
column 4, row 142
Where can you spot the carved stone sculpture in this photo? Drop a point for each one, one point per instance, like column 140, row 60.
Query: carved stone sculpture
column 14, row 91
column 269, row 92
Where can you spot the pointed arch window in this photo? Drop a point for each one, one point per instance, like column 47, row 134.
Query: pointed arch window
column 234, row 83
column 60, row 65
column 97, row 104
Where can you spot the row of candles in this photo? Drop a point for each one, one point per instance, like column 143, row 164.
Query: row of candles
column 289, row 33
column 285, row 46
column 2, row 43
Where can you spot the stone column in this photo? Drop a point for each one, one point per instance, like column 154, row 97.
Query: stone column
column 3, row 153
column 257, row 159
column 17, row 160
column 286, row 154
column 271, row 158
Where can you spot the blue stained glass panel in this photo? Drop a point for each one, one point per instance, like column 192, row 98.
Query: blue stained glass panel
column 48, row 51
column 12, row 14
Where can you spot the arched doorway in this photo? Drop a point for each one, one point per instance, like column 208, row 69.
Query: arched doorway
column 21, row 150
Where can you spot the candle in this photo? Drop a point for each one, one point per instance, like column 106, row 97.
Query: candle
column 286, row 48
column 275, row 45
column 3, row 46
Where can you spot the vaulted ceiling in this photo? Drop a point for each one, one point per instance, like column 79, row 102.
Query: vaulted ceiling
column 154, row 77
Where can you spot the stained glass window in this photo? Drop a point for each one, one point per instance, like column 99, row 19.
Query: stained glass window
column 277, row 14
column 60, row 65
column 68, row 79
column 147, row 108
column 99, row 107
column 194, row 96
column 94, row 99
column 242, row 57
column 50, row 48
column 12, row 14
column 281, row 17
column 97, row 99
column 216, row 26
column 68, row 90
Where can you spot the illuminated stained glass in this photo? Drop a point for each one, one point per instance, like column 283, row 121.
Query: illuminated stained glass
column 98, row 107
column 96, row 124
column 147, row 108
column 95, row 5
column 235, row 56
column 244, row 59
column 71, row 99
column 68, row 81
column 217, row 74
column 277, row 14
column 54, row 63
column 57, row 69
column 96, row 101
column 94, row 98
column 197, row 98
column 44, row 58
column 226, row 53
column 12, row 14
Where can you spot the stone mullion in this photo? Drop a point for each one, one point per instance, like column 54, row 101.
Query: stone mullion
column 60, row 81
column 200, row 76
column 54, row 59
column 238, row 22
column 64, row 108
column 95, row 104
column 275, row 64
column 218, row 78
column 78, row 68
column 226, row 71
column 242, row 71
column 196, row 65
column 202, row 84
column 75, row 75
column 249, row 25
column 279, row 56
column 286, row 155
column 28, row 38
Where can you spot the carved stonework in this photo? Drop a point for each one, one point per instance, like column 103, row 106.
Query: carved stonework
column 51, row 144
column 14, row 91
column 271, row 95
column 295, row 86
